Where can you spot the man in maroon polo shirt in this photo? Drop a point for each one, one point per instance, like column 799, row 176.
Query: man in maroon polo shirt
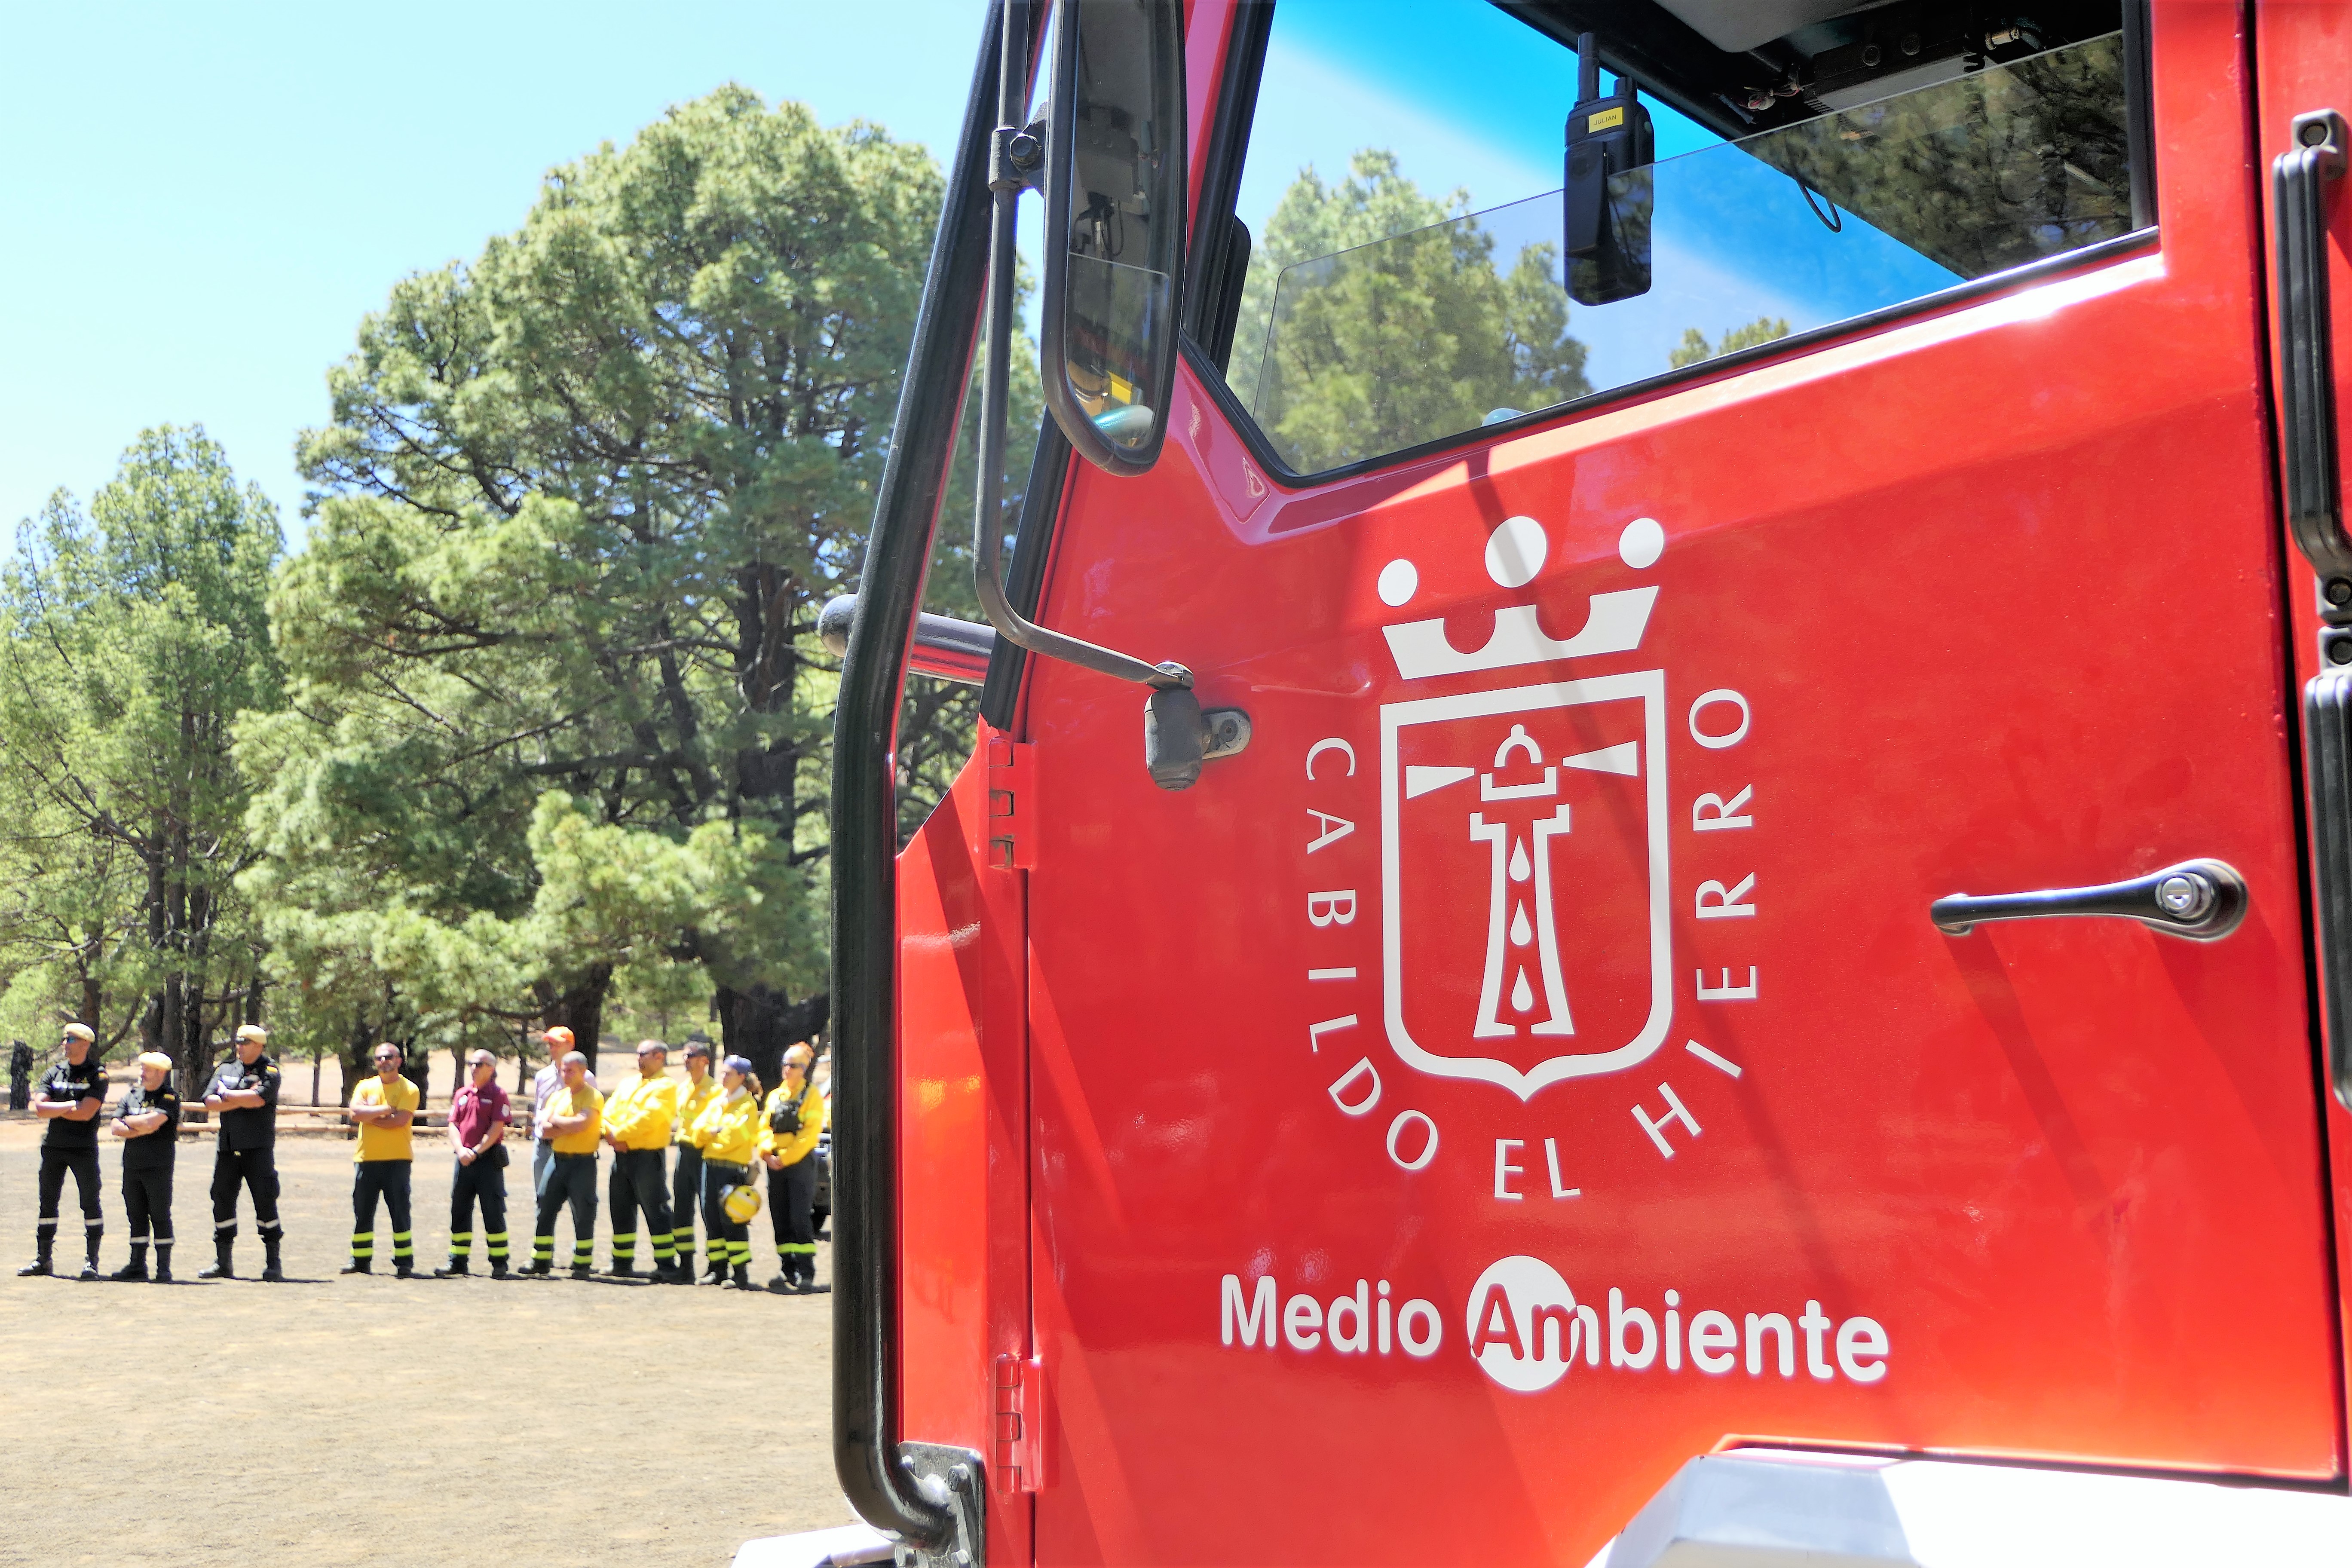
column 477, row 1131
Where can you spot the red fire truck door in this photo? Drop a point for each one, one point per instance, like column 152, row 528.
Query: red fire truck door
column 1532, row 1062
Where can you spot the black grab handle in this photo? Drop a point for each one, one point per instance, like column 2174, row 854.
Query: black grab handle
column 2300, row 182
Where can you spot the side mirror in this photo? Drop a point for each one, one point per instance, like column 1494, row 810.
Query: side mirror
column 1608, row 201
column 1116, row 193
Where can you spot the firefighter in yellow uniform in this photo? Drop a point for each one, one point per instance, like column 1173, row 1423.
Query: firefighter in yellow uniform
column 700, row 1088
column 637, row 1121
column 571, row 1122
column 788, row 1134
column 728, row 1132
column 384, row 1107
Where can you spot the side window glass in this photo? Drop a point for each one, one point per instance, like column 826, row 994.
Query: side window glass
column 1404, row 189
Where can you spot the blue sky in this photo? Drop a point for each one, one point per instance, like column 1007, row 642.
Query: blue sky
column 201, row 202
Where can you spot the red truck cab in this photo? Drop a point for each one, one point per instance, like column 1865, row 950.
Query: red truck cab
column 1759, row 923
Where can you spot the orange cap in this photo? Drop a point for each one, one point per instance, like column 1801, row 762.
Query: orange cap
column 558, row 1035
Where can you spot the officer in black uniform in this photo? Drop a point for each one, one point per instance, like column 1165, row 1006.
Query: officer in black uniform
column 244, row 1095
column 148, row 1122
column 70, row 1100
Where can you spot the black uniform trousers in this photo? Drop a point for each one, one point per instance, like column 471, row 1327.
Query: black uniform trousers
column 83, row 1164
column 792, row 1204
column 147, row 1202
column 484, row 1183
column 257, row 1171
column 731, row 1239
column 639, row 1182
column 685, row 1198
column 387, row 1179
column 568, row 1179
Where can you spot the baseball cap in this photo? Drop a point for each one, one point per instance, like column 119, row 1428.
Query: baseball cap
column 558, row 1035
column 738, row 1064
column 156, row 1059
column 82, row 1032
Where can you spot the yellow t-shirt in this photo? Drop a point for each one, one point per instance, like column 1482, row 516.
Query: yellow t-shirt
column 571, row 1102
column 385, row 1142
column 639, row 1115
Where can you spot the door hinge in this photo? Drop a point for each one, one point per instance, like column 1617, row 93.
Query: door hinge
column 1011, row 805
column 1017, row 1463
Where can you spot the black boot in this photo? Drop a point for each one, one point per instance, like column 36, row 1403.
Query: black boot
column 541, row 1267
column 360, row 1265
column 457, row 1269
column 498, row 1269
column 223, row 1268
column 624, row 1268
column 270, row 1268
column 163, row 1263
column 137, row 1267
column 40, row 1264
column 742, row 1281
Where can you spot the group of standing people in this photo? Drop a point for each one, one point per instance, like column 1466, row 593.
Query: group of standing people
column 722, row 1128
column 242, row 1096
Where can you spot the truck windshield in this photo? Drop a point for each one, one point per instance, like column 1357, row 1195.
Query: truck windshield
column 1351, row 354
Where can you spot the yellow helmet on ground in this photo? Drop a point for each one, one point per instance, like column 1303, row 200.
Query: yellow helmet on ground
column 741, row 1203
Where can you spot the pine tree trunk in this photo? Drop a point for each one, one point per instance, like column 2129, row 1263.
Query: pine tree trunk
column 579, row 1008
column 760, row 1023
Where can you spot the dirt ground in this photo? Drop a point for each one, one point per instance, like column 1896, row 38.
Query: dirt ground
column 374, row 1420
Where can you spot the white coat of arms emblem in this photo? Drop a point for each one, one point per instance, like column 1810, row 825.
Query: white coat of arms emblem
column 1526, row 936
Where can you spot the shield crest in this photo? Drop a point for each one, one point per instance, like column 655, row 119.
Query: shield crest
column 1524, row 929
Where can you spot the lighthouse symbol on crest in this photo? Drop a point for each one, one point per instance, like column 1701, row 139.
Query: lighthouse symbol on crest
column 1542, row 953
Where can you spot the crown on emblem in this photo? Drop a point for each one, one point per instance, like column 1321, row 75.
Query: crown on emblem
column 1614, row 621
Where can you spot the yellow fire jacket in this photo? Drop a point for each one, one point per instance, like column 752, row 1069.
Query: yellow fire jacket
column 792, row 1147
column 729, row 1129
column 640, row 1115
column 691, row 1101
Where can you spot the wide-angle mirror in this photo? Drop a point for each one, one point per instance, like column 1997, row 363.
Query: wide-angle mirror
column 1115, row 195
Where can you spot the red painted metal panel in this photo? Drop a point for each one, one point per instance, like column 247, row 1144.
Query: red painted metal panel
column 964, row 1229
column 1999, row 591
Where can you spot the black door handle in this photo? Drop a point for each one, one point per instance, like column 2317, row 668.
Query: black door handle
column 2201, row 899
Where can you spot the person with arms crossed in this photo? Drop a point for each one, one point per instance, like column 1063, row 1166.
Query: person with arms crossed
column 478, row 1132
column 385, row 1108
column 243, row 1095
column 686, row 1183
column 544, row 1083
column 148, row 1122
column 788, row 1134
column 637, row 1120
column 69, row 1099
column 569, row 1122
column 729, row 1129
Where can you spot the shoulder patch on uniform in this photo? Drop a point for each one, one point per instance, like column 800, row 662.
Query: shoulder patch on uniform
column 272, row 1071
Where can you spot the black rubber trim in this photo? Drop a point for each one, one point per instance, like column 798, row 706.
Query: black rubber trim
column 1213, row 289
column 866, row 1371
column 2139, row 112
column 1024, row 574
column 2086, row 258
column 2327, row 719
